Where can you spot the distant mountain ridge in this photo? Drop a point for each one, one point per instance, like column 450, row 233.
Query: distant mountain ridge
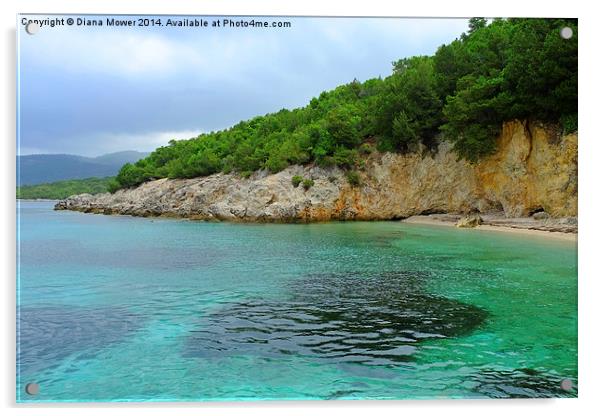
column 46, row 168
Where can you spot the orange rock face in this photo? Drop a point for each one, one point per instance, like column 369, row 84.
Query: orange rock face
column 534, row 168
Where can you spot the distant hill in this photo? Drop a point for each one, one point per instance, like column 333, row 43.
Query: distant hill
column 37, row 169
column 64, row 189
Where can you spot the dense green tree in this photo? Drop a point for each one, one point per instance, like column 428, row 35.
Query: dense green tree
column 132, row 175
column 343, row 124
column 519, row 68
column 476, row 23
column 64, row 189
column 498, row 70
column 542, row 69
column 409, row 109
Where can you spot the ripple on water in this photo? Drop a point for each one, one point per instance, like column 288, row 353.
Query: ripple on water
column 376, row 319
column 519, row 383
column 47, row 335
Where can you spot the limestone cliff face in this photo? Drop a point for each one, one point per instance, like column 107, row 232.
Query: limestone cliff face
column 534, row 168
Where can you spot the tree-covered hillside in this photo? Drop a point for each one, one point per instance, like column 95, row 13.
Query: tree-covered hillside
column 497, row 71
column 64, row 189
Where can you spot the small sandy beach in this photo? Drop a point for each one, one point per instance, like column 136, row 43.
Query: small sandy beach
column 516, row 226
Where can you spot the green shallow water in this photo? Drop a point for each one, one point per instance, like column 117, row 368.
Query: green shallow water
column 129, row 309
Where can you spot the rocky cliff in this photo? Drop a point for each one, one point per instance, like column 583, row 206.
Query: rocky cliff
column 534, row 169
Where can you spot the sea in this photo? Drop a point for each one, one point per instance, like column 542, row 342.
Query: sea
column 118, row 308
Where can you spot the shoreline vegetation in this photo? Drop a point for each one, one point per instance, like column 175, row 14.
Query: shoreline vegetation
column 486, row 124
column 64, row 189
column 533, row 173
column 498, row 71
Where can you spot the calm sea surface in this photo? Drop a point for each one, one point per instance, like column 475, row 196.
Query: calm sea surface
column 134, row 309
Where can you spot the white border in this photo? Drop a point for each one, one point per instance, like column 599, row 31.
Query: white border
column 590, row 161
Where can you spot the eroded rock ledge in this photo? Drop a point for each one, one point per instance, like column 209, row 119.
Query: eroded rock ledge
column 534, row 169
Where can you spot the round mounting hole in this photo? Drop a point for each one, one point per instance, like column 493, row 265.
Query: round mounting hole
column 32, row 28
column 566, row 32
column 32, row 389
column 566, row 385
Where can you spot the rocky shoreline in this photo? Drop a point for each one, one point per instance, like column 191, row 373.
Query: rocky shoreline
column 533, row 173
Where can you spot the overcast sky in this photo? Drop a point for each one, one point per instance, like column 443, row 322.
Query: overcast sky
column 91, row 91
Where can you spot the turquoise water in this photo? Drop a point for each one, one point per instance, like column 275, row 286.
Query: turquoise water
column 114, row 308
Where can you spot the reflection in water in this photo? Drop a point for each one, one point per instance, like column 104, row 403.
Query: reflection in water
column 375, row 319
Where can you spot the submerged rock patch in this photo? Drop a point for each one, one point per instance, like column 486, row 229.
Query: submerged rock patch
column 47, row 335
column 377, row 319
